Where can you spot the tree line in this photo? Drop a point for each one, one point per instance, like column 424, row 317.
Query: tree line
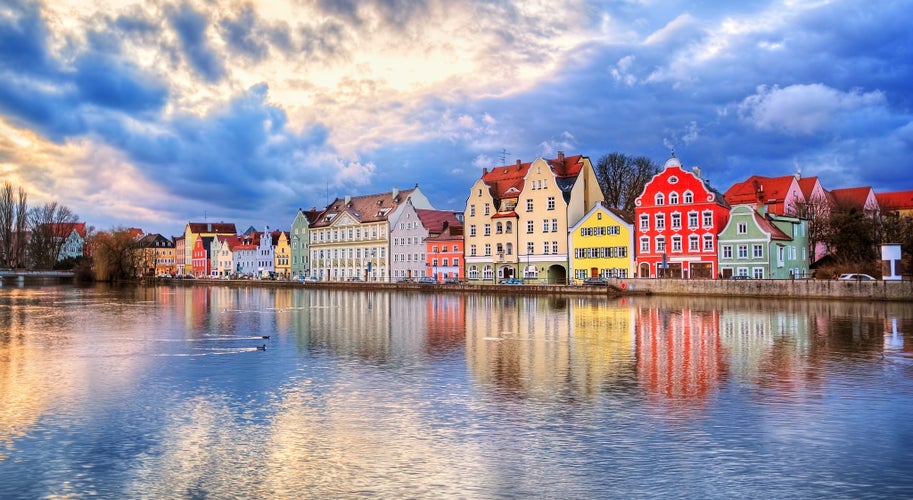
column 31, row 237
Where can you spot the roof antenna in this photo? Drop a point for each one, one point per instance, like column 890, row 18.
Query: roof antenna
column 503, row 156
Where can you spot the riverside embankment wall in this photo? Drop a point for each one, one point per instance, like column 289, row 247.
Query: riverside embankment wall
column 901, row 291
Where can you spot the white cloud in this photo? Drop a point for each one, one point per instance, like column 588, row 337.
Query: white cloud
column 804, row 109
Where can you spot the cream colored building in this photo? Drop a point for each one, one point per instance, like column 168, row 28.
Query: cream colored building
column 350, row 239
column 517, row 218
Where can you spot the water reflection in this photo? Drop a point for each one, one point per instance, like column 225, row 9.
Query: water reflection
column 161, row 392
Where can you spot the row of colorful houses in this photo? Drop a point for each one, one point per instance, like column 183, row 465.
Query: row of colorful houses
column 540, row 222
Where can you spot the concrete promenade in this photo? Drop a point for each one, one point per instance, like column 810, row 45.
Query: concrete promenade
column 900, row 291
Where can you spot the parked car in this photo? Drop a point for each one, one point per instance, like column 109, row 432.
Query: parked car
column 453, row 281
column 596, row 281
column 855, row 277
column 355, row 278
column 740, row 277
column 428, row 280
column 406, row 280
column 511, row 281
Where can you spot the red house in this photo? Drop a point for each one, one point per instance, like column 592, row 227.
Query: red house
column 201, row 263
column 677, row 218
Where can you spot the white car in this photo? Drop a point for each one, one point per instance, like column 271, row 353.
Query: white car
column 855, row 277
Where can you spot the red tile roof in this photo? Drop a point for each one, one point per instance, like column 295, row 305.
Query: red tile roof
column 807, row 184
column 852, row 197
column 758, row 189
column 897, row 200
column 506, row 181
column 65, row 229
column 434, row 220
column 364, row 209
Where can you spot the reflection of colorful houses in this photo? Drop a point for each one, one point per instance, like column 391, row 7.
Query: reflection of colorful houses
column 677, row 217
column 603, row 348
column 679, row 354
column 602, row 244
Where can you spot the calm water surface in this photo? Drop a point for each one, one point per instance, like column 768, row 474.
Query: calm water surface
column 161, row 392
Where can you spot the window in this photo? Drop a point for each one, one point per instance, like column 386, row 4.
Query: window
column 688, row 197
column 693, row 243
column 530, row 227
column 554, row 247
column 510, row 248
column 673, row 199
column 676, row 221
column 644, row 245
column 727, row 251
column 545, row 247
column 743, row 251
column 757, row 251
column 499, row 228
column 434, row 249
column 554, row 225
column 509, row 227
column 660, row 244
column 692, row 220
column 544, row 225
column 455, row 249
column 529, row 205
column 676, row 243
column 708, row 218
column 487, row 209
column 551, row 202
column 472, row 230
column 487, row 230
column 473, row 273
column 758, row 273
column 499, row 248
column 742, row 228
column 488, row 249
column 708, row 243
column 472, row 250
column 660, row 222
column 644, row 222
column 530, row 248
column 472, row 210
column 456, row 261
column 660, row 199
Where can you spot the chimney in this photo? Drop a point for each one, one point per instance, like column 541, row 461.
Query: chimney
column 209, row 227
column 697, row 171
column 519, row 163
column 484, row 171
column 395, row 193
column 348, row 200
column 561, row 157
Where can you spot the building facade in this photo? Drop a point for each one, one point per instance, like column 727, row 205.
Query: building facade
column 677, row 218
column 350, row 239
column 601, row 243
column 194, row 230
column 445, row 254
column 758, row 245
column 299, row 239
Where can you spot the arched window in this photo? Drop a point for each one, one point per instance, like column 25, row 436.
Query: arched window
column 673, row 199
column 509, row 227
column 660, row 199
column 689, row 197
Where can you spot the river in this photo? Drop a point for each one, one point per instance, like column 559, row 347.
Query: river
column 173, row 392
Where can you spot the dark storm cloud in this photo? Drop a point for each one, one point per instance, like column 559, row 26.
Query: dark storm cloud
column 117, row 85
column 190, row 26
column 23, row 39
column 242, row 32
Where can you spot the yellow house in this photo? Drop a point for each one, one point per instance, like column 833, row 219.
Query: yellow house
column 490, row 227
column 282, row 254
column 603, row 244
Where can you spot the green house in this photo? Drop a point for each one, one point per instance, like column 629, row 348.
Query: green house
column 758, row 245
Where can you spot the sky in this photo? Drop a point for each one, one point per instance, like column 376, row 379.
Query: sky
column 155, row 113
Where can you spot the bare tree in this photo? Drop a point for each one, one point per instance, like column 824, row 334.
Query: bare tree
column 622, row 178
column 13, row 223
column 114, row 255
column 50, row 225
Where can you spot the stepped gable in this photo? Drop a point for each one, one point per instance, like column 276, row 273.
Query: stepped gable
column 364, row 209
column 435, row 220
column 896, row 200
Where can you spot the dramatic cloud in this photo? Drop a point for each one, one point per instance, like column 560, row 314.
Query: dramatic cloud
column 152, row 112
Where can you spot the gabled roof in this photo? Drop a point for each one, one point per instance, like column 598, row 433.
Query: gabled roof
column 897, row 200
column 627, row 217
column 758, row 189
column 852, row 197
column 68, row 228
column 364, row 209
column 767, row 226
column 434, row 220
column 807, row 185
column 507, row 181
column 154, row 240
column 454, row 233
column 274, row 236
column 211, row 227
